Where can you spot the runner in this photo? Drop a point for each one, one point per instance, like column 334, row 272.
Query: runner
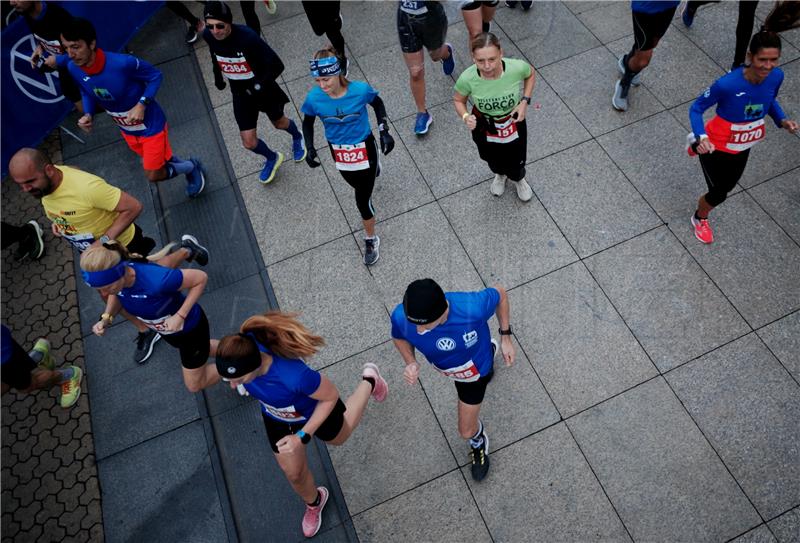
column 265, row 360
column 46, row 20
column 150, row 288
column 342, row 107
column 423, row 24
column 743, row 98
column 478, row 16
column 651, row 20
column 452, row 331
column 497, row 121
column 239, row 55
column 324, row 18
column 195, row 24
column 125, row 87
column 86, row 211
column 28, row 238
column 35, row 370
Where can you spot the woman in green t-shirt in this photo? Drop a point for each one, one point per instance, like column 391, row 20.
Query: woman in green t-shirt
column 497, row 120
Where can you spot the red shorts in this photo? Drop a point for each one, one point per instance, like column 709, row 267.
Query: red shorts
column 154, row 150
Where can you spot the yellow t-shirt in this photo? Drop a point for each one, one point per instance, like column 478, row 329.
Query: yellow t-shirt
column 82, row 208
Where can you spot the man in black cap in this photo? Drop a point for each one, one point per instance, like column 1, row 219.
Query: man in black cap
column 452, row 331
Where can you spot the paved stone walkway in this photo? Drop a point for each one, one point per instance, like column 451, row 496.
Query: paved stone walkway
column 49, row 476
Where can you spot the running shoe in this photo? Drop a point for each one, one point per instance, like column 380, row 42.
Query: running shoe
column 191, row 35
column 702, row 230
column 620, row 98
column 41, row 354
column 623, row 60
column 687, row 16
column 145, row 342
column 197, row 252
column 526, row 5
column 381, row 389
column 312, row 518
column 371, row 252
column 494, row 348
column 71, row 388
column 449, row 64
column 511, row 4
column 524, row 191
column 195, row 179
column 271, row 168
column 498, row 186
column 480, row 459
column 271, row 6
column 32, row 245
column 299, row 149
column 424, row 122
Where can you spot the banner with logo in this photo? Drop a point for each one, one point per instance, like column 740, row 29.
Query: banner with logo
column 32, row 104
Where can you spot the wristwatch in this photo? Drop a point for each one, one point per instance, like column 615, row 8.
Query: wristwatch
column 506, row 332
column 107, row 317
column 145, row 100
column 527, row 99
column 104, row 239
column 304, row 437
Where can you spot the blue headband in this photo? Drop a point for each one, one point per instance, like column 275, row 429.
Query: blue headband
column 104, row 277
column 325, row 67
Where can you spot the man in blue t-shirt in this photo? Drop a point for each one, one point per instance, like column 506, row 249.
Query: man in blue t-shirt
column 452, row 331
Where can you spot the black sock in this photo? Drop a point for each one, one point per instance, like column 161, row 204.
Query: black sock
column 316, row 501
column 699, row 218
column 370, row 380
column 486, row 26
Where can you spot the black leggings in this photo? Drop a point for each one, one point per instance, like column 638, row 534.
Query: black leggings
column 504, row 158
column 12, row 234
column 722, row 171
column 363, row 181
column 325, row 19
column 744, row 25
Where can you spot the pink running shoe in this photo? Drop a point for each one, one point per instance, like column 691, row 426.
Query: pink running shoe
column 312, row 519
column 702, row 230
column 381, row 389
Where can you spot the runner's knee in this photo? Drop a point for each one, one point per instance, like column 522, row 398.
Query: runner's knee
column 416, row 72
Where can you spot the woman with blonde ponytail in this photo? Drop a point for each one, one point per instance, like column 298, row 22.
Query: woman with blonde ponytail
column 265, row 361
column 150, row 289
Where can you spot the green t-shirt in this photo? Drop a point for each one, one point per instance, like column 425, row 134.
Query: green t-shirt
column 495, row 97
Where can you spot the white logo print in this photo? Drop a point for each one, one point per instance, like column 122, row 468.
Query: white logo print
column 231, row 370
column 445, row 344
column 43, row 92
column 470, row 338
column 741, row 93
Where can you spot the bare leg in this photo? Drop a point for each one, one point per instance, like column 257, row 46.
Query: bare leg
column 174, row 260
column 356, row 405
column 369, row 227
column 640, row 60
column 295, row 467
column 473, row 19
column 468, row 419
column 416, row 76
column 703, row 207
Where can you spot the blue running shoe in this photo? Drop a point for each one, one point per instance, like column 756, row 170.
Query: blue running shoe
column 271, row 168
column 449, row 64
column 424, row 121
column 687, row 15
column 299, row 149
column 195, row 179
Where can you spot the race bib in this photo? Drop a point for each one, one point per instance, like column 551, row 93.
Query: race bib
column 80, row 241
column 51, row 46
column 159, row 324
column 735, row 137
column 506, row 131
column 413, row 7
column 466, row 373
column 122, row 121
column 235, row 67
column 351, row 157
column 286, row 414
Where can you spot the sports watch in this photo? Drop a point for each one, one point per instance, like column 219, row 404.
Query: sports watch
column 145, row 100
column 527, row 99
column 506, row 332
column 304, row 437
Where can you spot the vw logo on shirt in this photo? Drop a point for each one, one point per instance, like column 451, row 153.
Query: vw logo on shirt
column 445, row 344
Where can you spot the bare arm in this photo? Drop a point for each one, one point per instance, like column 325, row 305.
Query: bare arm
column 327, row 395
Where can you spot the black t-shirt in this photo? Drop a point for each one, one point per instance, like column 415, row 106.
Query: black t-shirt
column 47, row 27
column 243, row 58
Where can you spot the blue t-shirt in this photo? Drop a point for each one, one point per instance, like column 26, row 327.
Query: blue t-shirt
column 738, row 100
column 284, row 391
column 123, row 80
column 7, row 346
column 460, row 347
column 156, row 295
column 653, row 6
column 345, row 119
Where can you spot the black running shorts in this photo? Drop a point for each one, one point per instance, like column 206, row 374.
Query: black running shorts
column 428, row 30
column 468, row 6
column 270, row 99
column 329, row 429
column 649, row 28
column 194, row 345
column 472, row 393
column 16, row 372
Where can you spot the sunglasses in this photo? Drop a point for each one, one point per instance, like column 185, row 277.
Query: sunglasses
column 218, row 26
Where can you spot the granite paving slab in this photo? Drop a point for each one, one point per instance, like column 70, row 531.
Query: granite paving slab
column 160, row 39
column 610, row 22
column 585, row 82
column 668, row 302
column 286, row 224
column 783, row 339
column 516, row 404
column 789, row 97
column 181, row 91
column 442, row 509
column 751, row 260
column 551, row 34
column 575, row 340
column 581, row 6
column 368, row 26
column 779, row 197
column 590, row 200
column 510, row 242
column 104, row 131
column 391, row 469
column 294, row 42
column 756, row 535
column 748, row 407
column 787, row 526
column 163, row 489
column 331, row 288
column 663, row 478
column 416, row 245
column 556, row 496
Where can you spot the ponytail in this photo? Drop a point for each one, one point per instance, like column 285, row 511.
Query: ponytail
column 282, row 333
column 112, row 253
column 784, row 16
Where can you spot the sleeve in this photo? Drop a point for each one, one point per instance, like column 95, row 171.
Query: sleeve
column 308, row 131
column 775, row 111
column 171, row 280
column 487, row 301
column 62, row 61
column 215, row 69
column 462, row 85
column 262, row 58
column 145, row 72
column 308, row 380
column 308, row 105
column 86, row 99
column 397, row 331
column 704, row 101
column 369, row 94
column 102, row 195
column 524, row 69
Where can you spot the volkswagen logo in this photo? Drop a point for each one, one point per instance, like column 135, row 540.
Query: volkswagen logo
column 40, row 87
column 445, row 344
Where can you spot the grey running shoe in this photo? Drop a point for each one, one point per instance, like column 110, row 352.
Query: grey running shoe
column 498, row 186
column 524, row 191
column 637, row 79
column 620, row 99
column 372, row 254
column 197, row 252
column 144, row 345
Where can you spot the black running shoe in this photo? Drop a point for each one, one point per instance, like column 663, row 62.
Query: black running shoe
column 32, row 245
column 144, row 345
column 191, row 35
column 197, row 252
column 480, row 459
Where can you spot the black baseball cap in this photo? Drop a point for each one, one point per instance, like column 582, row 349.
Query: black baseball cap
column 219, row 11
column 424, row 301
